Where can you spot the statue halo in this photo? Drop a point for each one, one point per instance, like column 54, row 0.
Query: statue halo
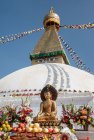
column 51, row 89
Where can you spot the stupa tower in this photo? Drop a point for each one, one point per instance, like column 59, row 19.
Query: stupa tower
column 49, row 48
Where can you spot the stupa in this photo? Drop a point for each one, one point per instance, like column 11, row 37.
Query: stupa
column 50, row 65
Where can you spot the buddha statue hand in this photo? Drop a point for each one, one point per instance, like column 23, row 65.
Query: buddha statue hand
column 52, row 114
column 47, row 114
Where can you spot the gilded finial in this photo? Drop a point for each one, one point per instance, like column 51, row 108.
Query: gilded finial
column 51, row 19
column 52, row 10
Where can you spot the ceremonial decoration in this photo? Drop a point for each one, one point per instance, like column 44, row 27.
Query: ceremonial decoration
column 45, row 125
column 30, row 92
column 67, row 115
column 67, row 134
column 50, row 19
column 47, row 115
column 17, row 121
column 8, row 38
column 81, row 26
column 79, row 63
column 82, row 116
column 5, row 39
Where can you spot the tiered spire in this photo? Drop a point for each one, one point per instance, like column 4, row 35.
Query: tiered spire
column 49, row 48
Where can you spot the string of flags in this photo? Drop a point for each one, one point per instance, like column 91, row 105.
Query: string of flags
column 35, row 92
column 81, row 26
column 79, row 63
column 5, row 39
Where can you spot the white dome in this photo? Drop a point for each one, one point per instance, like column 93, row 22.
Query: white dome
column 61, row 76
column 33, row 78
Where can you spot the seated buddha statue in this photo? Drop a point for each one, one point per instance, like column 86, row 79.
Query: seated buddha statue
column 48, row 109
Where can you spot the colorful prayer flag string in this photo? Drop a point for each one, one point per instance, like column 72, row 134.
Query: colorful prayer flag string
column 35, row 92
column 79, row 63
column 5, row 39
column 81, row 26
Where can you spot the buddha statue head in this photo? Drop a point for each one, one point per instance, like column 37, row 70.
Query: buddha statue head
column 48, row 92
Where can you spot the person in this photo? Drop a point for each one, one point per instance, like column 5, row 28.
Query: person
column 48, row 109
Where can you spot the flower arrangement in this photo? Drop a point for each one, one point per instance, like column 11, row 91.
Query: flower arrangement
column 23, row 113
column 67, row 115
column 82, row 116
column 12, row 116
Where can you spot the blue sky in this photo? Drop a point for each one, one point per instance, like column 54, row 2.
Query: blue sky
column 22, row 15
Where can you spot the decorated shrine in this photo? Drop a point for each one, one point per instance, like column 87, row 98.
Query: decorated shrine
column 51, row 100
column 18, row 125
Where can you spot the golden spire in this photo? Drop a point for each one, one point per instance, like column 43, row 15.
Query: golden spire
column 49, row 48
column 51, row 19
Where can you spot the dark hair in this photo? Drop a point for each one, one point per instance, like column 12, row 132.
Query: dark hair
column 51, row 89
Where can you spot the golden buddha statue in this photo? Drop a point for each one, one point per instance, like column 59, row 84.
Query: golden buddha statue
column 48, row 109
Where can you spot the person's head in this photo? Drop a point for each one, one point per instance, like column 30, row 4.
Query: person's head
column 47, row 95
